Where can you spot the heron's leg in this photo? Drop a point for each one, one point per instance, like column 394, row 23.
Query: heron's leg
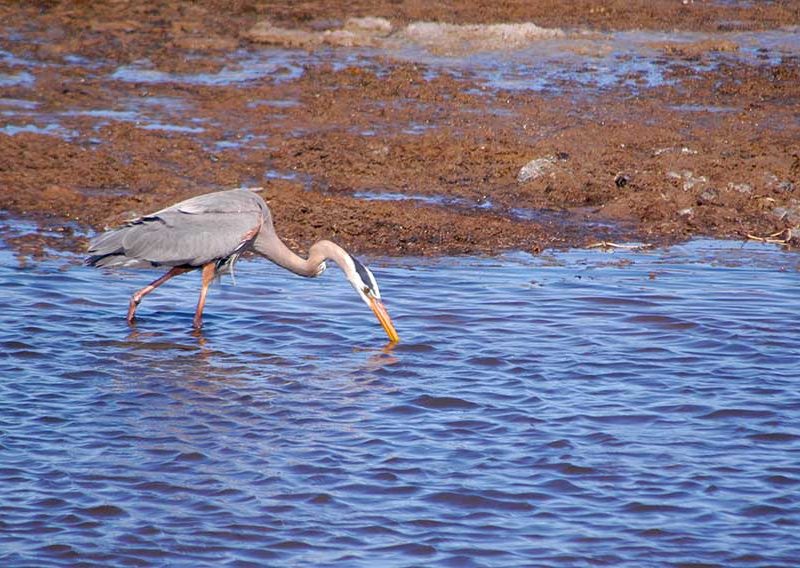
column 209, row 271
column 137, row 297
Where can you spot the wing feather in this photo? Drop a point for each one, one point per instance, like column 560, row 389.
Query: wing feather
column 197, row 231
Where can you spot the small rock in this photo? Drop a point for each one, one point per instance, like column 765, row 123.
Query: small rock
column 683, row 150
column 378, row 150
column 790, row 213
column 741, row 187
column 773, row 182
column 687, row 212
column 266, row 32
column 688, row 179
column 780, row 212
column 708, row 196
column 622, row 180
column 536, row 168
column 369, row 24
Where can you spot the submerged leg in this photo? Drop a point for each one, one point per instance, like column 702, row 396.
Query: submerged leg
column 137, row 297
column 209, row 271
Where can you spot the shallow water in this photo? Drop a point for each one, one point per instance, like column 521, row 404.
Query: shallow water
column 576, row 408
column 276, row 64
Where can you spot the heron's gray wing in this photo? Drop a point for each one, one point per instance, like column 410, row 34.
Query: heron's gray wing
column 194, row 232
column 232, row 201
column 176, row 239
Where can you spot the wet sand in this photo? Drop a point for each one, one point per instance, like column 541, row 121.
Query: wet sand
column 355, row 118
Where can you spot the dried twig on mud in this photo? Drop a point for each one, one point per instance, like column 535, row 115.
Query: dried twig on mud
column 610, row 245
column 773, row 238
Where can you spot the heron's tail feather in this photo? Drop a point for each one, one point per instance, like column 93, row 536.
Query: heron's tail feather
column 108, row 243
column 107, row 251
column 112, row 261
column 98, row 260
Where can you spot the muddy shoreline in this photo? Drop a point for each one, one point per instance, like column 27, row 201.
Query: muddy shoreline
column 114, row 110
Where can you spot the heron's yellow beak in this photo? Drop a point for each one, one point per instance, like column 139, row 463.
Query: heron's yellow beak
column 383, row 317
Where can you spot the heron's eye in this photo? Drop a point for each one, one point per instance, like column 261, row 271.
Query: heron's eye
column 366, row 290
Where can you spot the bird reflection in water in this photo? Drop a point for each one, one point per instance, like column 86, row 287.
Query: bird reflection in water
column 204, row 359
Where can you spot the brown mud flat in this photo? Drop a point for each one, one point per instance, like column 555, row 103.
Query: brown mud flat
column 715, row 151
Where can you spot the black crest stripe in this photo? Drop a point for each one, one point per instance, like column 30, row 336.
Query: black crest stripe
column 362, row 271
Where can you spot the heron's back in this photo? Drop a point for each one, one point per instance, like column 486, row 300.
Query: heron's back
column 207, row 228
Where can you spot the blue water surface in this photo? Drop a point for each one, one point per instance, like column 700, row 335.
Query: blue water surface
column 577, row 408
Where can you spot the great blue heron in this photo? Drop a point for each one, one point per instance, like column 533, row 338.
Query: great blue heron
column 210, row 232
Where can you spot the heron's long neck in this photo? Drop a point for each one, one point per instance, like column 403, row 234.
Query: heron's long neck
column 269, row 245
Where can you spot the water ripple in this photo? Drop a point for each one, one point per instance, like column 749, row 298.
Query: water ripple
column 611, row 419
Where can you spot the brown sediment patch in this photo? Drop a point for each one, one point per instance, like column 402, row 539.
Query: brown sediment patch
column 714, row 152
column 696, row 48
column 406, row 228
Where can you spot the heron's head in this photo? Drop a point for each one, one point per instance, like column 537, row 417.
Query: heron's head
column 364, row 282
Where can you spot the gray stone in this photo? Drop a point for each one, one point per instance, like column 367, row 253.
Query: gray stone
column 536, row 168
